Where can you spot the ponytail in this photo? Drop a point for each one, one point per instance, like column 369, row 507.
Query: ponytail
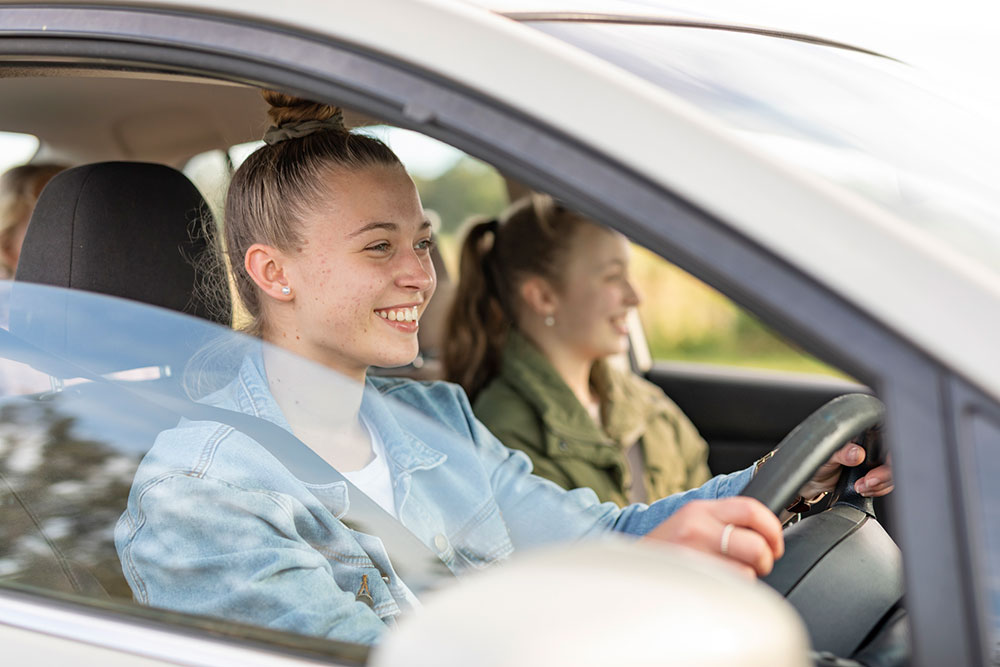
column 531, row 238
column 477, row 323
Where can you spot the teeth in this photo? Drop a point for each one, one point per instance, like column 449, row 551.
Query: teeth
column 408, row 315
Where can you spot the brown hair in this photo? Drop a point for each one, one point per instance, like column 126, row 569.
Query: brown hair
column 284, row 181
column 19, row 190
column 531, row 238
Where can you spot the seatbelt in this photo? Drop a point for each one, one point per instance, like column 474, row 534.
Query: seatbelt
column 412, row 560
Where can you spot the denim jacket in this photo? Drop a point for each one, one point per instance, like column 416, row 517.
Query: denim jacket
column 217, row 525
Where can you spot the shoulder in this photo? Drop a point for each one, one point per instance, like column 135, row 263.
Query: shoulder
column 507, row 413
column 500, row 400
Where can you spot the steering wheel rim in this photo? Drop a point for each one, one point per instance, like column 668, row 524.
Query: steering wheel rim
column 811, row 444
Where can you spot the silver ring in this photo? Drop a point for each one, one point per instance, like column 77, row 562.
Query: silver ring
column 724, row 543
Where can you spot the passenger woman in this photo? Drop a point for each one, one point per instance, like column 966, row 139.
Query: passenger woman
column 541, row 305
column 330, row 251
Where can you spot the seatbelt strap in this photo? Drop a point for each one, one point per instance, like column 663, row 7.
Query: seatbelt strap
column 412, row 560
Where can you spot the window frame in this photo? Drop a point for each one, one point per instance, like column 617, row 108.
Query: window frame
column 943, row 618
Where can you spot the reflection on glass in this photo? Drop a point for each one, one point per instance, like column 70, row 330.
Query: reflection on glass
column 223, row 483
column 863, row 122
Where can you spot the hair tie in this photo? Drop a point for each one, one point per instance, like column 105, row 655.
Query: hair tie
column 303, row 128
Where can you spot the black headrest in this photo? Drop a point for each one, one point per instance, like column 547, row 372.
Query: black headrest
column 127, row 229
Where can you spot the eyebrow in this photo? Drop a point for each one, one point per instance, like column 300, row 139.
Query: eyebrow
column 388, row 226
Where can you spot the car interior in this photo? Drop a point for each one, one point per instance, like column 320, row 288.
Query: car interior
column 127, row 222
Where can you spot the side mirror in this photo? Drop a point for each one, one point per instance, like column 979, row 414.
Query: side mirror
column 606, row 602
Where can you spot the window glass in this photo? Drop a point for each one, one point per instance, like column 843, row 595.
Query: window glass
column 148, row 457
column 985, row 436
column 15, row 149
column 686, row 320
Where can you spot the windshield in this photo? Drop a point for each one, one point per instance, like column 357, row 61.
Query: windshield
column 863, row 122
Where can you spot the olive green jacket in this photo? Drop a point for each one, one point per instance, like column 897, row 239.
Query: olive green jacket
column 529, row 407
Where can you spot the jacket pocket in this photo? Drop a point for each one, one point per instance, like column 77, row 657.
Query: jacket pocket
column 484, row 539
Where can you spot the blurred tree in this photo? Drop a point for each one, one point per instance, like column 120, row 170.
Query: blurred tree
column 469, row 188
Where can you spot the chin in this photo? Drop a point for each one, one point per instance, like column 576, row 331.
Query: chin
column 395, row 360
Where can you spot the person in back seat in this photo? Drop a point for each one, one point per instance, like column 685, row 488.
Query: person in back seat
column 541, row 305
column 19, row 190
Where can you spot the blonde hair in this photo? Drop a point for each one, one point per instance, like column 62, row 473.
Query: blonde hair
column 19, row 190
column 285, row 181
column 531, row 238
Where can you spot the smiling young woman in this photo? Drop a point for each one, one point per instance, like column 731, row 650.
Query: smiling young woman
column 330, row 249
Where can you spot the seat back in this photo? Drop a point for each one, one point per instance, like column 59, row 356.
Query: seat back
column 128, row 230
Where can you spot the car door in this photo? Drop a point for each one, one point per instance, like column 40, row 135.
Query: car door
column 490, row 113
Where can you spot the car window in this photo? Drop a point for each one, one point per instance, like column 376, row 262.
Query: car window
column 686, row 320
column 16, row 148
column 146, row 463
column 88, row 386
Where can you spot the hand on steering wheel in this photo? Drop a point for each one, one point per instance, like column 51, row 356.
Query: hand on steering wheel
column 741, row 530
column 877, row 482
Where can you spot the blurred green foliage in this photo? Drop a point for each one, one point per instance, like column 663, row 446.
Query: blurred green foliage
column 469, row 188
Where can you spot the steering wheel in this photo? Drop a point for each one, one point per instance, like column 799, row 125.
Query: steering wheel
column 841, row 570
column 811, row 444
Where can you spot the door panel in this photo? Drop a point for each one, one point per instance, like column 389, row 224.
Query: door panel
column 744, row 413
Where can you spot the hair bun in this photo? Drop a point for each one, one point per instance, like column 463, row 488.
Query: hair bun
column 287, row 109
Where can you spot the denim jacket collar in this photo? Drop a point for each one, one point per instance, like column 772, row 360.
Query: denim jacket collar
column 406, row 453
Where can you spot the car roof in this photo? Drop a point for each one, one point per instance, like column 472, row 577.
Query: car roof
column 930, row 295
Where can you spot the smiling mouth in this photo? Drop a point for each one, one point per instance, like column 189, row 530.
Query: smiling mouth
column 399, row 314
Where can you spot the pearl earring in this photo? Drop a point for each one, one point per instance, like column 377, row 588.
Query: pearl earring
column 286, row 290
column 550, row 321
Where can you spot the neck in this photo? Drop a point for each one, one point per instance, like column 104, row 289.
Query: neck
column 321, row 407
column 572, row 368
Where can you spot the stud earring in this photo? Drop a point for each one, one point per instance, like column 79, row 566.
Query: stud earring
column 550, row 321
column 286, row 290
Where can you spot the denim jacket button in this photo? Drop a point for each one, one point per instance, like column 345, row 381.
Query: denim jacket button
column 440, row 543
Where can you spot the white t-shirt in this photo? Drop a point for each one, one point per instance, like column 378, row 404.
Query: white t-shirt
column 374, row 479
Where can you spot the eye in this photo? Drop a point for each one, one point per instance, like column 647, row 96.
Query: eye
column 425, row 245
column 381, row 246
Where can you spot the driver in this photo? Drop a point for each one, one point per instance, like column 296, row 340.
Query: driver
column 331, row 256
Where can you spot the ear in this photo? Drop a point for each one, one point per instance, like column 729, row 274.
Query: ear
column 265, row 264
column 539, row 296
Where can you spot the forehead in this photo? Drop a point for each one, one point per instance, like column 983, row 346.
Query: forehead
column 594, row 243
column 349, row 200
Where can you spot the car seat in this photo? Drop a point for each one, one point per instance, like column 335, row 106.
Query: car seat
column 129, row 230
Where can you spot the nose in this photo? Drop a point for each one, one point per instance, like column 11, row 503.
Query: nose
column 632, row 296
column 416, row 272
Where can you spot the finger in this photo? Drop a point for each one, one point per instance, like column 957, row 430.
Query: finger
column 877, row 482
column 752, row 550
column 849, row 455
column 751, row 514
column 875, row 489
